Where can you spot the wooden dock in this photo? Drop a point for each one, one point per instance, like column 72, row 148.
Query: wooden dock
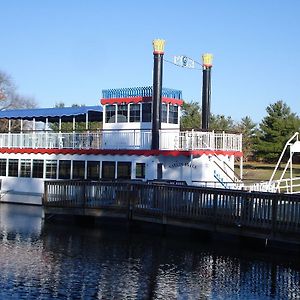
column 268, row 216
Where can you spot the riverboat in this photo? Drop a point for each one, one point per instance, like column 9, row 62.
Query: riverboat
column 136, row 137
column 121, row 147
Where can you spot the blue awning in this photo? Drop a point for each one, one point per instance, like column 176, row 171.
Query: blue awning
column 53, row 114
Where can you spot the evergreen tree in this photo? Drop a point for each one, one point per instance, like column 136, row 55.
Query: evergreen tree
column 275, row 129
column 190, row 116
column 221, row 123
column 249, row 131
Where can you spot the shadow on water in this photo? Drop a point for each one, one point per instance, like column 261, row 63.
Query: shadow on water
column 51, row 261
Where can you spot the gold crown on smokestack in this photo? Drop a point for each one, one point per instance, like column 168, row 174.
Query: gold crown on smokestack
column 158, row 46
column 207, row 59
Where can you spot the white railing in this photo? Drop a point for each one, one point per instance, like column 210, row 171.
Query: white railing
column 197, row 140
column 123, row 139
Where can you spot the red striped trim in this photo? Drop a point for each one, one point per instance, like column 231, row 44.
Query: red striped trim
column 139, row 100
column 120, row 152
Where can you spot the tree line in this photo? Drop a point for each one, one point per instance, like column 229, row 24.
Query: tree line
column 262, row 141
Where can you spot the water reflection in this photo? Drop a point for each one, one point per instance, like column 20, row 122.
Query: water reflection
column 68, row 262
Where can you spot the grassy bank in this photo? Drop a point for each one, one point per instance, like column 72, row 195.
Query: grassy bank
column 256, row 171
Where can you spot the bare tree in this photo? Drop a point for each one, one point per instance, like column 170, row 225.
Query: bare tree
column 10, row 99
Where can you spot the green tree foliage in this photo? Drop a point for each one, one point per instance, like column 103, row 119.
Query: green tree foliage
column 221, row 123
column 249, row 131
column 79, row 126
column 275, row 129
column 190, row 116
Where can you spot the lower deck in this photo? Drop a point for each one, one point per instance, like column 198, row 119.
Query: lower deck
column 23, row 174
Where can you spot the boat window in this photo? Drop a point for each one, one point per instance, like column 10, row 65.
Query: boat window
column 37, row 168
column 135, row 113
column 124, row 170
column 25, row 170
column 13, row 167
column 51, row 169
column 164, row 112
column 108, row 169
column 3, row 167
column 78, row 169
column 64, row 169
column 173, row 114
column 110, row 112
column 122, row 113
column 146, row 112
column 93, row 170
column 140, row 170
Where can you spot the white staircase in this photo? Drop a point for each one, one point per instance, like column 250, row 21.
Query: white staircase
column 225, row 175
column 290, row 184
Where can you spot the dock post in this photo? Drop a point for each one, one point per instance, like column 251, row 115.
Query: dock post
column 274, row 215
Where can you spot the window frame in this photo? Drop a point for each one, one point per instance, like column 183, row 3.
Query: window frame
column 147, row 114
column 110, row 114
column 122, row 113
column 173, row 114
column 36, row 172
column 66, row 172
column 80, row 172
column 120, row 169
column 143, row 170
column 51, row 168
column 13, row 162
column 134, row 114
column 3, row 162
column 93, row 163
column 105, row 167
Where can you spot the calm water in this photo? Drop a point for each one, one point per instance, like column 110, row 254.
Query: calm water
column 64, row 262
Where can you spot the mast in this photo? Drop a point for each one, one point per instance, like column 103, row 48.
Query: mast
column 206, row 89
column 158, row 53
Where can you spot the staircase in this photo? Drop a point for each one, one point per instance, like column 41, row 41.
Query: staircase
column 221, row 174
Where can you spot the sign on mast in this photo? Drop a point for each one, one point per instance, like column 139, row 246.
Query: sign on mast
column 184, row 62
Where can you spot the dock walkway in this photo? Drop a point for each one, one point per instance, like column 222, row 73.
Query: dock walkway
column 269, row 216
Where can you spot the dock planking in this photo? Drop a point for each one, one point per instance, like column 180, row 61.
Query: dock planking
column 268, row 216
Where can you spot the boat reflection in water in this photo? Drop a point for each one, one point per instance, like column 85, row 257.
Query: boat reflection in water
column 69, row 262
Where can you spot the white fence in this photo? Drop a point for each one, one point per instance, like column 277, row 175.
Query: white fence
column 123, row 139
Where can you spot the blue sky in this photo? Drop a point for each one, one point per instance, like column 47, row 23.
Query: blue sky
column 68, row 51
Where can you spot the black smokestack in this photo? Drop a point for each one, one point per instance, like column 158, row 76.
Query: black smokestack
column 158, row 53
column 206, row 90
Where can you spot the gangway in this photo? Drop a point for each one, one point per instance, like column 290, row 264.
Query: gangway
column 290, row 185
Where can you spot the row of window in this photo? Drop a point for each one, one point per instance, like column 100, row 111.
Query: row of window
column 61, row 169
column 139, row 112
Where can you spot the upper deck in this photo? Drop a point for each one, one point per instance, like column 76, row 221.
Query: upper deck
column 123, row 140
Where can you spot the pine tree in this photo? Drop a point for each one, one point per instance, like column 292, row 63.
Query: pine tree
column 190, row 116
column 221, row 123
column 249, row 131
column 275, row 129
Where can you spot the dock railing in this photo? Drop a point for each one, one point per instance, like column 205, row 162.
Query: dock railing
column 270, row 214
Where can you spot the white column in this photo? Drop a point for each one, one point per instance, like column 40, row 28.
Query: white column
column 9, row 134
column 46, row 132
column 241, row 167
column 87, row 121
column 21, row 133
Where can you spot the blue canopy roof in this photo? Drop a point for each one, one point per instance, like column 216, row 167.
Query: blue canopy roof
column 53, row 114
